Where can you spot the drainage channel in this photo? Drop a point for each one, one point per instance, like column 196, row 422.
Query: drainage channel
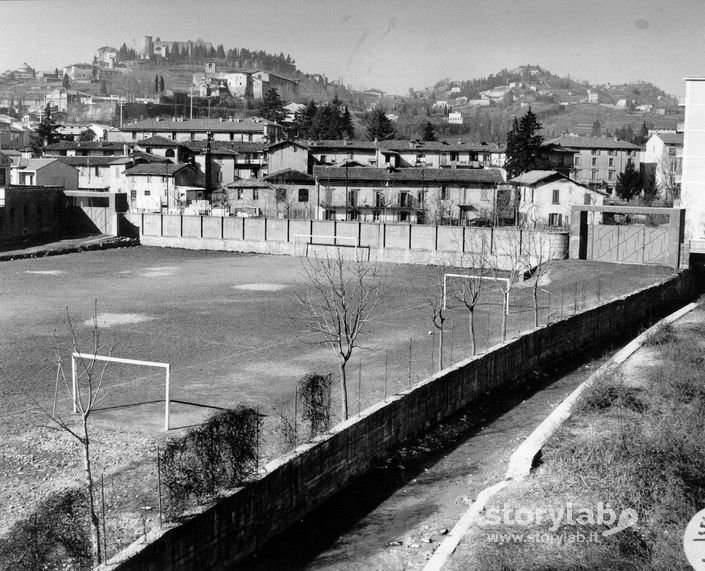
column 395, row 516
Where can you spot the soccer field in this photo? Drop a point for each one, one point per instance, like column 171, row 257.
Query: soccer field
column 227, row 324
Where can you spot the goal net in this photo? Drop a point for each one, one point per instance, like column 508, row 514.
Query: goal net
column 75, row 376
column 305, row 245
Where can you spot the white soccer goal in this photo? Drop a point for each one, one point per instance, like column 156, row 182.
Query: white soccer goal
column 301, row 242
column 473, row 277
column 74, row 377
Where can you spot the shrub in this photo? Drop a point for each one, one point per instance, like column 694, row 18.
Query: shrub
column 220, row 454
column 54, row 537
column 314, row 393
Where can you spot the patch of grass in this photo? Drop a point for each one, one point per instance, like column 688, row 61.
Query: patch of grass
column 664, row 333
column 638, row 447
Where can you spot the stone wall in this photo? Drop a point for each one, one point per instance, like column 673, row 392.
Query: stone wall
column 394, row 243
column 294, row 485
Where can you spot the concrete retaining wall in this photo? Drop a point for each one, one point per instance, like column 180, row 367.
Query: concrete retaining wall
column 294, row 485
column 395, row 243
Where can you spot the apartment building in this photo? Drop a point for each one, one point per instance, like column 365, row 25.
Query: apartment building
column 414, row 195
column 183, row 130
column 597, row 161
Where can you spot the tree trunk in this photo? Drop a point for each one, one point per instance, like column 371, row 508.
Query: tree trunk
column 505, row 306
column 536, row 304
column 96, row 557
column 440, row 349
column 343, row 390
column 471, row 327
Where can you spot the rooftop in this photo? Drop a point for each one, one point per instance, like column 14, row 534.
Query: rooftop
column 157, row 169
column 592, row 143
column 197, row 125
column 488, row 176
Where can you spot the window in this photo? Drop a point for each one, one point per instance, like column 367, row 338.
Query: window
column 280, row 195
column 379, row 199
column 96, row 171
column 555, row 219
column 631, row 153
column 147, row 192
column 556, row 196
column 588, row 199
column 323, row 158
column 422, row 197
column 133, row 195
column 610, row 175
column 303, row 195
column 352, row 197
column 445, row 193
column 593, row 175
column 149, row 179
column 611, row 161
column 593, row 162
column 404, row 216
column 375, row 215
column 404, row 199
column 255, row 194
column 595, row 152
column 577, row 161
column 239, row 194
column 672, row 152
column 169, row 153
column 612, row 153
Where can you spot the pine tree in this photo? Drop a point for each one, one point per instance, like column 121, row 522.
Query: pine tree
column 378, row 126
column 47, row 132
column 523, row 145
column 628, row 182
column 347, row 125
column 271, row 107
column 156, row 84
column 161, row 84
column 65, row 83
column 429, row 134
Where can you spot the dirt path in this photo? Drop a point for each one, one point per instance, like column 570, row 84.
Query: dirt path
column 397, row 516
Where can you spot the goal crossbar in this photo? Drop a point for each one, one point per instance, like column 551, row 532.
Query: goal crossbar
column 473, row 277
column 90, row 357
column 325, row 240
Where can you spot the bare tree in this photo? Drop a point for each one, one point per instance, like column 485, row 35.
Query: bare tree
column 540, row 250
column 508, row 264
column 467, row 289
column 669, row 167
column 339, row 302
column 88, row 384
column 433, row 296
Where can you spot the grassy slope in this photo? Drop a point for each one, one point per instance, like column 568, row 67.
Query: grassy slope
column 635, row 442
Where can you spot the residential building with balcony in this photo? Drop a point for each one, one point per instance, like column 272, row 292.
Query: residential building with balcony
column 235, row 130
column 597, row 161
column 413, row 195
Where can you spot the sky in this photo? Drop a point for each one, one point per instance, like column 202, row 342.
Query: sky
column 391, row 45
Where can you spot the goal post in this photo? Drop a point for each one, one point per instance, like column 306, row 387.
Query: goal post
column 307, row 240
column 165, row 366
column 473, row 277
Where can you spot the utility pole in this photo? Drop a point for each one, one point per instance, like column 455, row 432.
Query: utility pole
column 209, row 138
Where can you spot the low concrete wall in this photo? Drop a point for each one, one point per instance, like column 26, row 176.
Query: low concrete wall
column 296, row 484
column 394, row 243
